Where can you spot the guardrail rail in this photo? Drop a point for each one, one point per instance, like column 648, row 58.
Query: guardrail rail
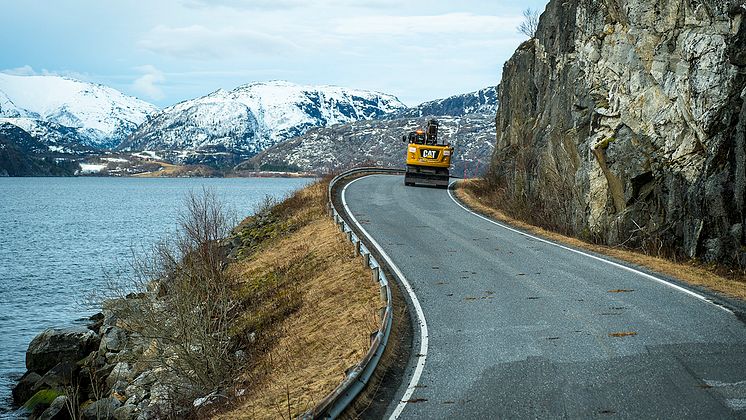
column 357, row 377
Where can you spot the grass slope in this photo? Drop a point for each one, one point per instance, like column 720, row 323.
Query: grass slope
column 316, row 297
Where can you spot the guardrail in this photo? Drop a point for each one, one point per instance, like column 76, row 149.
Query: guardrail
column 358, row 376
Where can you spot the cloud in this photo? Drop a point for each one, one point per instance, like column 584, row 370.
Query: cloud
column 451, row 23
column 28, row 70
column 147, row 83
column 201, row 43
column 250, row 5
column 20, row 71
column 286, row 4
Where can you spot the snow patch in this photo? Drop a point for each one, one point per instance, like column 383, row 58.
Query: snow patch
column 91, row 168
column 148, row 154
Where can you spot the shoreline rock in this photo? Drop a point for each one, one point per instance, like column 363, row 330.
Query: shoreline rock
column 95, row 366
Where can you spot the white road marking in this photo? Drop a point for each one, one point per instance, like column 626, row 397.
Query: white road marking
column 422, row 356
column 714, row 384
column 623, row 267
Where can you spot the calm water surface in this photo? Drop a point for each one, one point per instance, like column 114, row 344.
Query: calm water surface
column 59, row 236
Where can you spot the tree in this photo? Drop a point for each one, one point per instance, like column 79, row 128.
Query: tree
column 530, row 22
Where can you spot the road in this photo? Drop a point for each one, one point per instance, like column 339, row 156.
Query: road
column 520, row 328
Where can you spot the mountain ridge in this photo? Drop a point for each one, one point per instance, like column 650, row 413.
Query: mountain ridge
column 256, row 115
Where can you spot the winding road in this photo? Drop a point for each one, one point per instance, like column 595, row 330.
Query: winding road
column 517, row 327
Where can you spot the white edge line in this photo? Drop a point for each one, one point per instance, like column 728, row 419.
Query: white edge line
column 612, row 263
column 422, row 356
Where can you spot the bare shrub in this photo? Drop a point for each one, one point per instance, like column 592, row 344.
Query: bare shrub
column 185, row 320
column 530, row 22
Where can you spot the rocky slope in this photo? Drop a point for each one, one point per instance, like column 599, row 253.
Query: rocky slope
column 624, row 121
column 252, row 117
column 466, row 121
column 94, row 115
column 21, row 154
column 483, row 101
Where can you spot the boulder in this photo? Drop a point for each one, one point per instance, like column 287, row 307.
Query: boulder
column 57, row 410
column 102, row 409
column 125, row 412
column 96, row 321
column 40, row 401
column 60, row 375
column 113, row 339
column 24, row 388
column 53, row 346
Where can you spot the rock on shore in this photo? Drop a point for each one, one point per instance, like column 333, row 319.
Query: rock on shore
column 93, row 373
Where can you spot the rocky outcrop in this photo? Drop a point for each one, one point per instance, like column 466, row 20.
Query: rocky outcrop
column 623, row 121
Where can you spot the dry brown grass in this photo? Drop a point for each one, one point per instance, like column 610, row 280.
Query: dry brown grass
column 733, row 285
column 330, row 330
column 169, row 170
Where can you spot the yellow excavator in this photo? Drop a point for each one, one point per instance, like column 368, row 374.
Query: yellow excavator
column 428, row 160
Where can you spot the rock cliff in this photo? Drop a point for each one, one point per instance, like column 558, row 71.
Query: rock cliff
column 623, row 121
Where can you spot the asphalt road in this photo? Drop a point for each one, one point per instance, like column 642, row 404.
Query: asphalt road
column 519, row 328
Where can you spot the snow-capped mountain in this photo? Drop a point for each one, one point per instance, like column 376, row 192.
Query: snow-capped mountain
column 101, row 116
column 255, row 116
column 466, row 121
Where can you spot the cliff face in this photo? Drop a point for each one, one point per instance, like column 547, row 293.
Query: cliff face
column 624, row 121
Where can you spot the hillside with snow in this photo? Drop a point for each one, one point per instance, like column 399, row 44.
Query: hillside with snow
column 467, row 121
column 483, row 101
column 97, row 115
column 253, row 117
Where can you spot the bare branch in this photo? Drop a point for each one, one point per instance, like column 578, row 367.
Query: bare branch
column 530, row 22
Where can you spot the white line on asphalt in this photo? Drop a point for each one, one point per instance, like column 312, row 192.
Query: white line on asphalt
column 422, row 356
column 624, row 267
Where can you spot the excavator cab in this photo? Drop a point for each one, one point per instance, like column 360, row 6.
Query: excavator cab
column 427, row 160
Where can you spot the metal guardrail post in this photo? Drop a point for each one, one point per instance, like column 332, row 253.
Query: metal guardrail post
column 375, row 274
column 383, row 293
column 357, row 247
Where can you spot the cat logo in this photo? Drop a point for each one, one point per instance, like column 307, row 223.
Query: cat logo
column 429, row 154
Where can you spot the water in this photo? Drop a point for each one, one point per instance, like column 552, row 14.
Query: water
column 59, row 236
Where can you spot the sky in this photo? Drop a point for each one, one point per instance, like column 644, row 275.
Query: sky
column 167, row 51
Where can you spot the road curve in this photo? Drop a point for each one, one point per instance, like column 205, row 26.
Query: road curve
column 520, row 328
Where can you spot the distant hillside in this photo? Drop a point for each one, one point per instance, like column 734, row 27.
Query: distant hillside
column 483, row 101
column 23, row 155
column 378, row 142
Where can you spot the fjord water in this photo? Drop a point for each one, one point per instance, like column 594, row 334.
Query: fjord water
column 59, row 237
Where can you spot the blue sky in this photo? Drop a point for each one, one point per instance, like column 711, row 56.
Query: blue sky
column 167, row 51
